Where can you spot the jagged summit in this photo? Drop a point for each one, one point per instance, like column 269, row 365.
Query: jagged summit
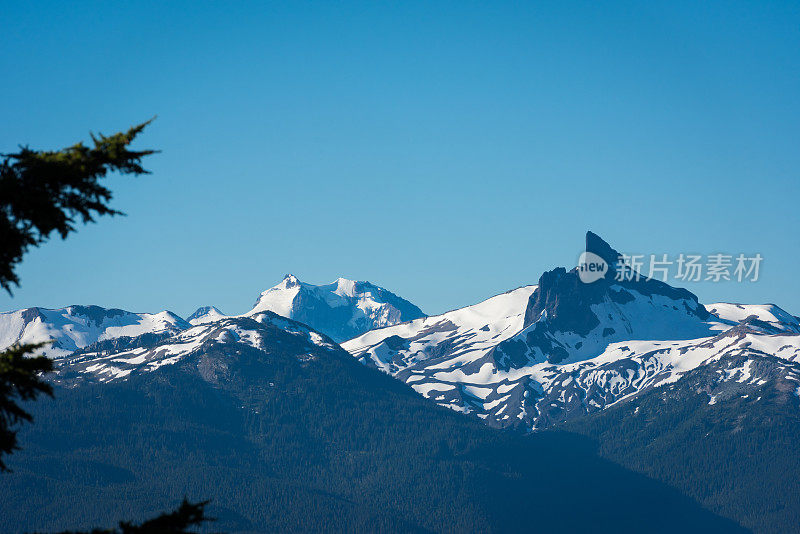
column 567, row 302
column 609, row 309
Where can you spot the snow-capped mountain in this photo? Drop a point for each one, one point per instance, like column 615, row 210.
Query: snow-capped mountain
column 586, row 357
column 113, row 359
column 341, row 310
column 75, row 327
column 542, row 354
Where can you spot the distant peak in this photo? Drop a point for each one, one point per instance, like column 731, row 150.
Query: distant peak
column 202, row 310
column 205, row 312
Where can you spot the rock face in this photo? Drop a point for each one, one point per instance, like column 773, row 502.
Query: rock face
column 606, row 310
column 342, row 310
column 543, row 354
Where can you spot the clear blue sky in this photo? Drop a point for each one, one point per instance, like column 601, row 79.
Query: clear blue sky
column 447, row 151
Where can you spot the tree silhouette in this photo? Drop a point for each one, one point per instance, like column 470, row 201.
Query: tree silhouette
column 187, row 515
column 20, row 380
column 42, row 192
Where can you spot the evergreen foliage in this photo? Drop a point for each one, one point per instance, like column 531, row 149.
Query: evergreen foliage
column 42, row 192
column 20, row 380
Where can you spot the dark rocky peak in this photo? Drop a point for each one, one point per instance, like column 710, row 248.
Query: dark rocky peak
column 31, row 314
column 566, row 299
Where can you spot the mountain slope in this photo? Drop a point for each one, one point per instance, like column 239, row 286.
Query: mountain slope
column 286, row 432
column 433, row 346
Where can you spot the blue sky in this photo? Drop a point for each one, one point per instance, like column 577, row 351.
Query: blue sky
column 447, row 151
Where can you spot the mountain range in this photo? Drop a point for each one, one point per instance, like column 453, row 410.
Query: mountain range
column 662, row 383
column 543, row 354
column 341, row 310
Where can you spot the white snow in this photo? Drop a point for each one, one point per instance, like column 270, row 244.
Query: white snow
column 739, row 312
column 278, row 299
column 653, row 343
column 479, row 328
column 76, row 327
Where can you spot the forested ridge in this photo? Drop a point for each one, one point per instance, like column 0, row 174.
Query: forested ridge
column 739, row 457
column 284, row 443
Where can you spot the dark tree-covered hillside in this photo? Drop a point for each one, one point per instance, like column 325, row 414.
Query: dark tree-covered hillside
column 286, row 440
column 739, row 456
